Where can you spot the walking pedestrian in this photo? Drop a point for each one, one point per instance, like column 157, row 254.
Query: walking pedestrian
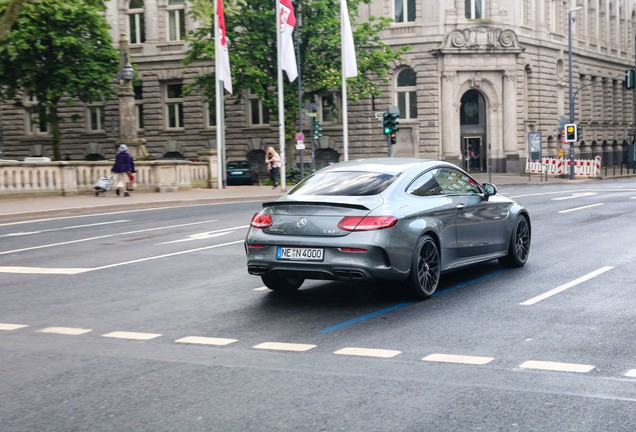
column 273, row 165
column 123, row 166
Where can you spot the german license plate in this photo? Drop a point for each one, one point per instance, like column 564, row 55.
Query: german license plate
column 237, row 172
column 299, row 254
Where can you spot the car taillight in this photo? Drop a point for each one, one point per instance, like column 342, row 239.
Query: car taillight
column 368, row 223
column 261, row 220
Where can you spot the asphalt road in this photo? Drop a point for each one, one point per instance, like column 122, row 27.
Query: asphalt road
column 146, row 320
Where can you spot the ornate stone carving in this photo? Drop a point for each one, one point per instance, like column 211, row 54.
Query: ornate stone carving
column 482, row 37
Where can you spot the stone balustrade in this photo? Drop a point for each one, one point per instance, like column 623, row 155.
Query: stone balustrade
column 70, row 177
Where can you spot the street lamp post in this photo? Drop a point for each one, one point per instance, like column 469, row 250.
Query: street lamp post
column 571, row 99
column 127, row 115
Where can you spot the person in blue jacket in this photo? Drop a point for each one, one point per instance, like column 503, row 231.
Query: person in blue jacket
column 123, row 166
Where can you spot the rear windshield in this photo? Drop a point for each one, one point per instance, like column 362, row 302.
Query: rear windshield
column 346, row 183
column 237, row 165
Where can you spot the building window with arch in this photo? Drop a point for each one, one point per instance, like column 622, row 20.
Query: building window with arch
column 475, row 9
column 136, row 24
column 406, row 93
column 258, row 113
column 404, row 11
column 174, row 105
column 176, row 20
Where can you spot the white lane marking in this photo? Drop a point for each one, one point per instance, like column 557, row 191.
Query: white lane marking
column 631, row 373
column 556, row 366
column 206, row 340
column 131, row 335
column 106, row 236
column 15, row 234
column 73, row 271
column 71, row 331
column 41, row 270
column 7, row 326
column 576, row 195
column 450, row 358
column 566, row 286
column 168, row 206
column 281, row 346
column 368, row 352
column 206, row 235
column 263, row 288
column 580, row 208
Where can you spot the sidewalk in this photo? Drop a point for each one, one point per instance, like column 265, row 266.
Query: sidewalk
column 55, row 205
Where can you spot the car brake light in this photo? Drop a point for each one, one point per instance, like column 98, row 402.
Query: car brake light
column 352, row 250
column 261, row 220
column 368, row 223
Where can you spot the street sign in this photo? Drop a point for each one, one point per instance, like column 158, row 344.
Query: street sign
column 300, row 145
column 379, row 115
column 300, row 136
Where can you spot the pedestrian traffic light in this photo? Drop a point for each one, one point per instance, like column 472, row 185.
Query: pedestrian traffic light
column 630, row 77
column 317, row 130
column 386, row 123
column 570, row 133
column 579, row 132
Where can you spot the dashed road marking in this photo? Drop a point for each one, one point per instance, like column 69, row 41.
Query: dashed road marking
column 264, row 288
column 281, row 346
column 368, row 352
column 7, row 327
column 631, row 373
column 65, row 330
column 451, row 358
column 206, row 340
column 576, row 195
column 131, row 335
column 566, row 286
column 580, row 208
column 556, row 366
column 41, row 270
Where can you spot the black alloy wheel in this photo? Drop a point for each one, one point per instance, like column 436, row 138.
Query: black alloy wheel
column 519, row 247
column 282, row 282
column 425, row 269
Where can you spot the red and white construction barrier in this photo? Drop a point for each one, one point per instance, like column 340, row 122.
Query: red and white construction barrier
column 559, row 166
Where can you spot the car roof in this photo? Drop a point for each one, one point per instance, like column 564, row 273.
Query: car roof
column 383, row 165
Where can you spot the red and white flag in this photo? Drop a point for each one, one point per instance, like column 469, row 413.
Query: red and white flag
column 223, row 58
column 287, row 54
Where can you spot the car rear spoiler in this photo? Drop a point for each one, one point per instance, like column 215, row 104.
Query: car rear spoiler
column 315, row 203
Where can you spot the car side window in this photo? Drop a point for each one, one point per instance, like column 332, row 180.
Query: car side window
column 425, row 185
column 453, row 182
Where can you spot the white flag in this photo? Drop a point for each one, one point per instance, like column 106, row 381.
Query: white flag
column 223, row 61
column 349, row 64
column 287, row 54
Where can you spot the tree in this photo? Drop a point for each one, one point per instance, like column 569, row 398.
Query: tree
column 9, row 16
column 251, row 29
column 57, row 50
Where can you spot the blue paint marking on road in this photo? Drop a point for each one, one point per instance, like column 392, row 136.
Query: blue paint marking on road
column 401, row 305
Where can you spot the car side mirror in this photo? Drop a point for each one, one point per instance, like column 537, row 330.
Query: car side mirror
column 489, row 190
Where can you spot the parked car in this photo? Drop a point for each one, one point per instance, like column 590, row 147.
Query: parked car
column 398, row 219
column 240, row 172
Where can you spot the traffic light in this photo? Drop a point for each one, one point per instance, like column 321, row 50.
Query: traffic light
column 390, row 123
column 570, row 133
column 579, row 132
column 393, row 138
column 386, row 120
column 317, row 130
column 630, row 77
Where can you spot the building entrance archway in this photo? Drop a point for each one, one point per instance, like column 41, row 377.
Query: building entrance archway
column 473, row 126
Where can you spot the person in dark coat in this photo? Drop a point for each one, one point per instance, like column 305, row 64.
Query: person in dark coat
column 124, row 165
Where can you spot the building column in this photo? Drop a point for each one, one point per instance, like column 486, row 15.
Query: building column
column 510, row 122
column 450, row 146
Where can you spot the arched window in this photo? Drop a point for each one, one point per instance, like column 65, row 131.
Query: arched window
column 136, row 25
column 406, row 93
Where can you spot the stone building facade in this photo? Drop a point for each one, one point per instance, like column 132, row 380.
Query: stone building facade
column 480, row 75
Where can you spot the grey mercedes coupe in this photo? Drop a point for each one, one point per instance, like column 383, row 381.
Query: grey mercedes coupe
column 395, row 219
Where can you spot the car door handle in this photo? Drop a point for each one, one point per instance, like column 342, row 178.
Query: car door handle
column 461, row 206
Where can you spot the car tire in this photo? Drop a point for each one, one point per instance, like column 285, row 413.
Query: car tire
column 425, row 268
column 519, row 246
column 282, row 282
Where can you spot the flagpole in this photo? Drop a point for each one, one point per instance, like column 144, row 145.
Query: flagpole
column 220, row 123
column 345, row 114
column 281, row 101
